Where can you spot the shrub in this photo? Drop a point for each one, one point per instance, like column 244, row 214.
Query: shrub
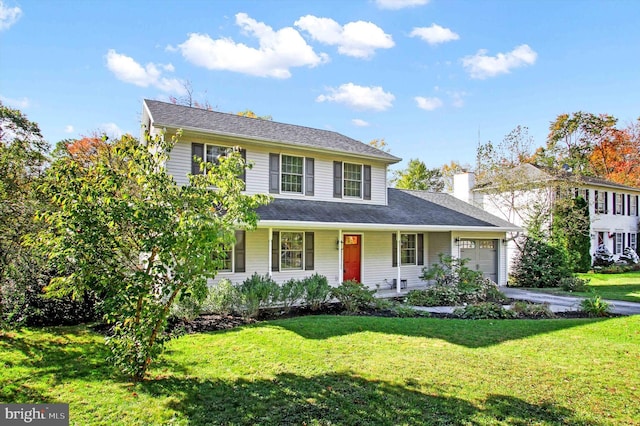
column 316, row 291
column 602, row 257
column 629, row 256
column 540, row 264
column 187, row 308
column 353, row 296
column 595, row 307
column 450, row 271
column 574, row 284
column 257, row 291
column 486, row 310
column 532, row 310
column 224, row 298
column 291, row 292
column 438, row 295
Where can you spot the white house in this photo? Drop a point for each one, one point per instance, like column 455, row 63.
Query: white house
column 613, row 208
column 332, row 213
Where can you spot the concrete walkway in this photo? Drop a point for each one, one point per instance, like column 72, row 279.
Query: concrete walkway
column 567, row 303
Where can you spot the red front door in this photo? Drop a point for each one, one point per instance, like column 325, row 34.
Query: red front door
column 351, row 257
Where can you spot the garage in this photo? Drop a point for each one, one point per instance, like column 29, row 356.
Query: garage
column 482, row 255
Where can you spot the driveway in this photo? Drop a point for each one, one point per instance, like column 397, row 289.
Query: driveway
column 567, row 303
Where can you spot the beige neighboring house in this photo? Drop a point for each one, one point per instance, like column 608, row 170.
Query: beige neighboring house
column 332, row 212
column 613, row 208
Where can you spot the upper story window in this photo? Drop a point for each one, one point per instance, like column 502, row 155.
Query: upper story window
column 633, row 205
column 600, row 201
column 291, row 174
column 210, row 154
column 618, row 206
column 351, row 180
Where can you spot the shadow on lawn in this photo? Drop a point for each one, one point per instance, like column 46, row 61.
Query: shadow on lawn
column 468, row 333
column 339, row 399
column 60, row 356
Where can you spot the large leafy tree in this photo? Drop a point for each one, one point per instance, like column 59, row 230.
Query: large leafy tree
column 22, row 160
column 616, row 157
column 122, row 227
column 418, row 176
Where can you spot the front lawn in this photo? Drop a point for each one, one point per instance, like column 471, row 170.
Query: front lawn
column 345, row 370
column 624, row 286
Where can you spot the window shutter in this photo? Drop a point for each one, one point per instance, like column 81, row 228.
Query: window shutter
column 275, row 252
column 239, row 252
column 337, row 179
column 366, row 182
column 420, row 244
column 629, row 212
column 308, row 251
column 394, row 250
column 606, row 202
column 197, row 151
column 637, row 205
column 615, row 202
column 274, row 173
column 308, row 178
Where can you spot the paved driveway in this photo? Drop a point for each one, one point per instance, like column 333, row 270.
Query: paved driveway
column 567, row 303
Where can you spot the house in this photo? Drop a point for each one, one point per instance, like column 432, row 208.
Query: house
column 332, row 212
column 613, row 208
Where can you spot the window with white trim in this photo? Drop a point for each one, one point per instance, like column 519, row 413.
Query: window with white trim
column 619, row 203
column 408, row 249
column 292, row 175
column 633, row 205
column 600, row 201
column 234, row 257
column 633, row 241
column 619, row 243
column 291, row 250
column 352, row 180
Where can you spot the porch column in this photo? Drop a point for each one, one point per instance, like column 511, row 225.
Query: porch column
column 270, row 257
column 340, row 258
column 399, row 272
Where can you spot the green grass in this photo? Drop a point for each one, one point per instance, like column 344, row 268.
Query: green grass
column 624, row 286
column 345, row 371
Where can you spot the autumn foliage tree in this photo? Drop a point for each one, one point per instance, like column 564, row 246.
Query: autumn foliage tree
column 616, row 156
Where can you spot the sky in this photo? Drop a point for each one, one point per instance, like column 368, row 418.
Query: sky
column 433, row 78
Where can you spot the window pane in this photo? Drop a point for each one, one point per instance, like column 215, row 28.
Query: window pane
column 292, row 174
column 352, row 180
column 213, row 152
column 407, row 249
column 291, row 250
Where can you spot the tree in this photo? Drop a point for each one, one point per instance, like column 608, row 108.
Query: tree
column 616, row 157
column 188, row 99
column 251, row 114
column 448, row 171
column 571, row 140
column 570, row 231
column 380, row 144
column 417, row 176
column 130, row 233
column 22, row 160
column 514, row 150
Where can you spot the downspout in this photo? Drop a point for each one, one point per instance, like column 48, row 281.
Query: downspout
column 340, row 258
column 398, row 243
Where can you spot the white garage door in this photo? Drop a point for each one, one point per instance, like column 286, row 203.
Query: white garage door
column 482, row 255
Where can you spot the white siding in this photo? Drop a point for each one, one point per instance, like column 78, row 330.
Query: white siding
column 179, row 165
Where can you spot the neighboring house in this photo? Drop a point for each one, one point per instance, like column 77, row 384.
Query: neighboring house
column 332, row 212
column 613, row 208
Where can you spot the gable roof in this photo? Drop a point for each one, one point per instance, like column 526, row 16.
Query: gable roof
column 533, row 174
column 168, row 115
column 406, row 209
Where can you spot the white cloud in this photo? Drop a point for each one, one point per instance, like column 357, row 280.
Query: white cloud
column 435, row 34
column 69, row 128
column 359, row 39
column 128, row 70
column 16, row 103
column 8, row 16
column 360, row 123
column 399, row 4
column 481, row 66
column 359, row 97
column 428, row 104
column 110, row 129
column 278, row 51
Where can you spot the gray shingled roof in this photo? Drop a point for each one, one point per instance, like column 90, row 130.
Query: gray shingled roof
column 419, row 208
column 182, row 117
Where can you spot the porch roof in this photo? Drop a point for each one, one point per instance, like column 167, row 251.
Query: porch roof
column 405, row 210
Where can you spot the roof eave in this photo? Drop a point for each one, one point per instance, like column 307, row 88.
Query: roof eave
column 295, row 224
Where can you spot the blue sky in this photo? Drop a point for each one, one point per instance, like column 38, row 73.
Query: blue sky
column 431, row 77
